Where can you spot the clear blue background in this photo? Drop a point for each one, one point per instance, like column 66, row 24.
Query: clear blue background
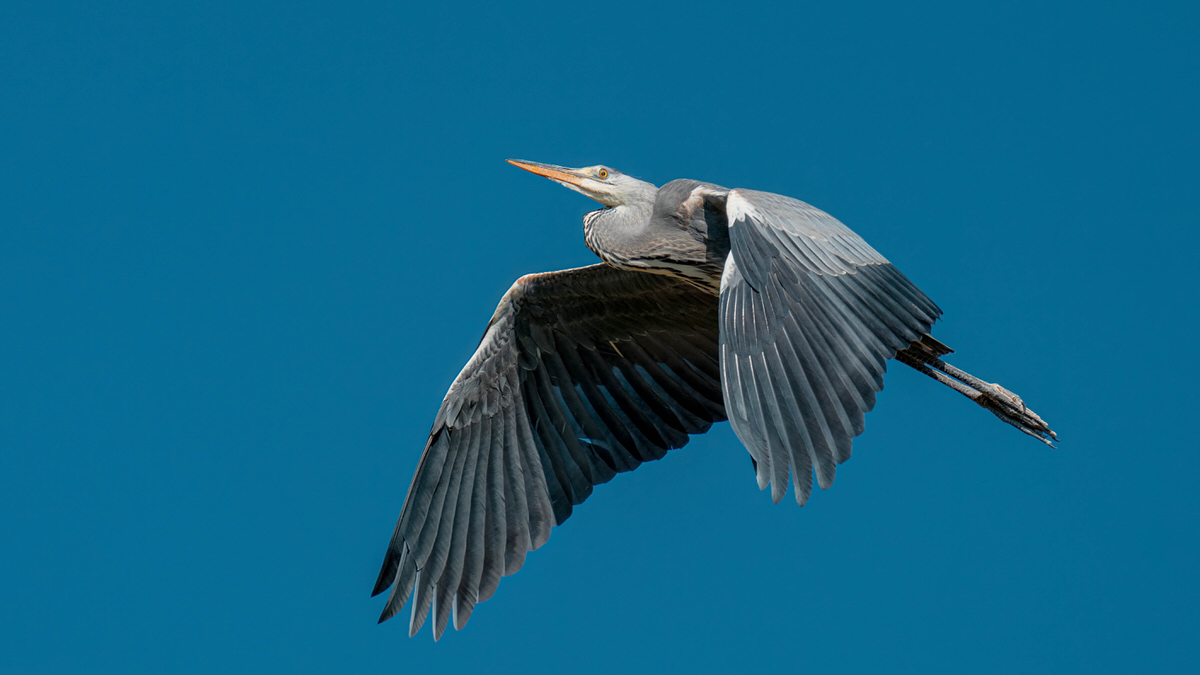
column 244, row 248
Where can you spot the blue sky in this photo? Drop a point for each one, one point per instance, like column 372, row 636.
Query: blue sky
column 244, row 248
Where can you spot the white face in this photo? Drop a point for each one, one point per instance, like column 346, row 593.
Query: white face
column 607, row 186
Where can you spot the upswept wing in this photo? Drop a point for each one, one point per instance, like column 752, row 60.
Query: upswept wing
column 809, row 314
column 581, row 374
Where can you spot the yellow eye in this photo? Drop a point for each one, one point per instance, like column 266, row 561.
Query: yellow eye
column 603, row 173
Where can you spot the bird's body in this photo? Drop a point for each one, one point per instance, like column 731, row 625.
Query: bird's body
column 661, row 231
column 710, row 304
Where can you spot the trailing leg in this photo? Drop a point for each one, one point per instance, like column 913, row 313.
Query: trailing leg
column 925, row 355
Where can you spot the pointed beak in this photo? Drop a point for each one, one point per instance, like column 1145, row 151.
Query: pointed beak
column 583, row 181
column 558, row 174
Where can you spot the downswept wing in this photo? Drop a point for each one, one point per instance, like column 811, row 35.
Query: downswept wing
column 581, row 374
column 809, row 315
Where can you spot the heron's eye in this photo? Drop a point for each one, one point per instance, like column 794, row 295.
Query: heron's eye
column 603, row 173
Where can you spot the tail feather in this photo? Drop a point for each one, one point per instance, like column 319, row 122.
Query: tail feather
column 924, row 355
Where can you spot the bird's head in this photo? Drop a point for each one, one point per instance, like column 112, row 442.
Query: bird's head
column 601, row 183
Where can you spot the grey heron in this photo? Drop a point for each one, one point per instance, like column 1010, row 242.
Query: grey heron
column 709, row 304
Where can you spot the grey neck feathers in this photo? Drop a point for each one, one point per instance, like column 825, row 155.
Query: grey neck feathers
column 615, row 234
column 678, row 230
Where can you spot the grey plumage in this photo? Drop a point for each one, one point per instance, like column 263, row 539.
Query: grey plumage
column 710, row 304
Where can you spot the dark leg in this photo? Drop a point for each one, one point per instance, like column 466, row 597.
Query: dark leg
column 925, row 355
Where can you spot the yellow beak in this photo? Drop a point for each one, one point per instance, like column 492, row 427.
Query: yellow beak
column 560, row 174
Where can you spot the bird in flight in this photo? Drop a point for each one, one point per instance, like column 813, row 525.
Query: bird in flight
column 710, row 304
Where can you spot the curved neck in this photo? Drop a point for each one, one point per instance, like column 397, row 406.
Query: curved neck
column 613, row 233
